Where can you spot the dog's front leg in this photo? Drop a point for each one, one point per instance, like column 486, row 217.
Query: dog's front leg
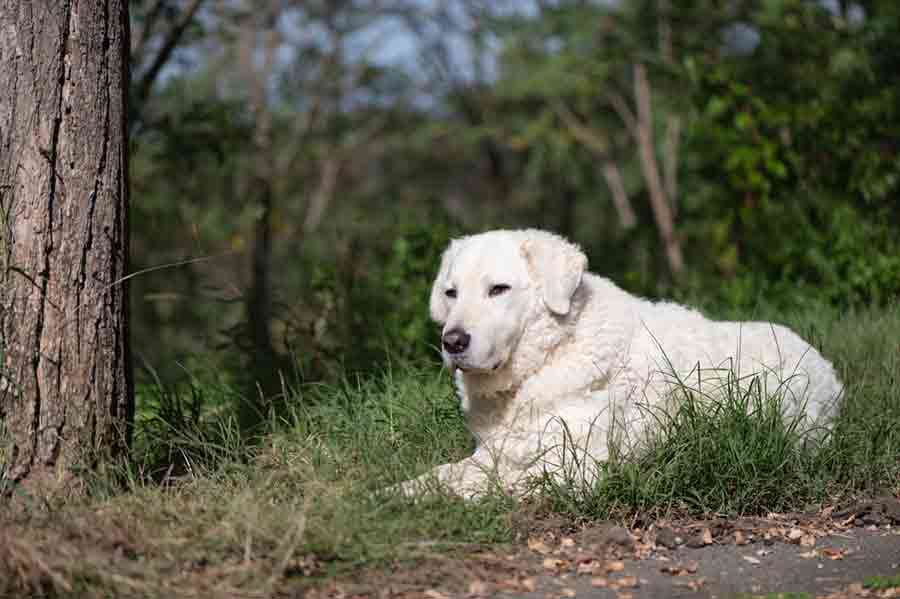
column 470, row 478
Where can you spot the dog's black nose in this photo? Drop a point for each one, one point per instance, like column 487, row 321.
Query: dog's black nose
column 456, row 341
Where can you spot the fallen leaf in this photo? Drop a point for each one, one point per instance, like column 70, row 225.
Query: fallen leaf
column 680, row 570
column 739, row 538
column 752, row 560
column 553, row 563
column 599, row 582
column 517, row 584
column 808, row 541
column 589, row 567
column 615, row 566
column 538, row 546
column 833, row 554
column 695, row 585
column 478, row 588
column 567, row 542
column 809, row 554
column 628, row 582
column 794, row 535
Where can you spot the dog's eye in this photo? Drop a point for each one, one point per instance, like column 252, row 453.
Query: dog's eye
column 451, row 293
column 496, row 290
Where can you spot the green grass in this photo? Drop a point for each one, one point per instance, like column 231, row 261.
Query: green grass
column 881, row 583
column 205, row 513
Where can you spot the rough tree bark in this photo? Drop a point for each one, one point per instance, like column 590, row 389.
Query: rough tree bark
column 66, row 393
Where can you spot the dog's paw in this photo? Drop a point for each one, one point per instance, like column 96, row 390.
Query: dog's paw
column 412, row 489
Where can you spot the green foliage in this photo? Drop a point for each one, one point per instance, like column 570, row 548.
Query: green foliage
column 359, row 310
column 794, row 203
column 186, row 157
column 882, row 583
column 787, row 173
column 405, row 287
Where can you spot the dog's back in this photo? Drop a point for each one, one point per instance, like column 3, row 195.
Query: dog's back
column 669, row 344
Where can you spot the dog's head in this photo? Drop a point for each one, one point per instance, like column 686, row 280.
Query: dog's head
column 490, row 286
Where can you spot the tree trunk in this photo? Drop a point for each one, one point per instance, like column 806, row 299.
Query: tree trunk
column 259, row 304
column 264, row 367
column 662, row 209
column 66, row 393
column 673, row 120
column 613, row 176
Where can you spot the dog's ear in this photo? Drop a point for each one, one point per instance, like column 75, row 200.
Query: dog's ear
column 558, row 267
column 438, row 302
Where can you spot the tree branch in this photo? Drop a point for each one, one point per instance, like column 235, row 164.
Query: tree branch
column 331, row 168
column 579, row 131
column 619, row 104
column 169, row 44
column 613, row 177
column 672, row 135
column 611, row 172
column 323, row 194
column 139, row 42
column 662, row 212
column 670, row 160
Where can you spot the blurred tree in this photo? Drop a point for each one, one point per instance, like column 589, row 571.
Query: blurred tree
column 748, row 145
column 283, row 113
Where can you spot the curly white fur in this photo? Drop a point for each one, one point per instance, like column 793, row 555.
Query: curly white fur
column 557, row 354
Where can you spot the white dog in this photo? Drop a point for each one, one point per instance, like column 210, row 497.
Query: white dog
column 546, row 353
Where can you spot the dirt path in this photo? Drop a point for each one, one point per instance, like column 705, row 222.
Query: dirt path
column 835, row 565
column 829, row 554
